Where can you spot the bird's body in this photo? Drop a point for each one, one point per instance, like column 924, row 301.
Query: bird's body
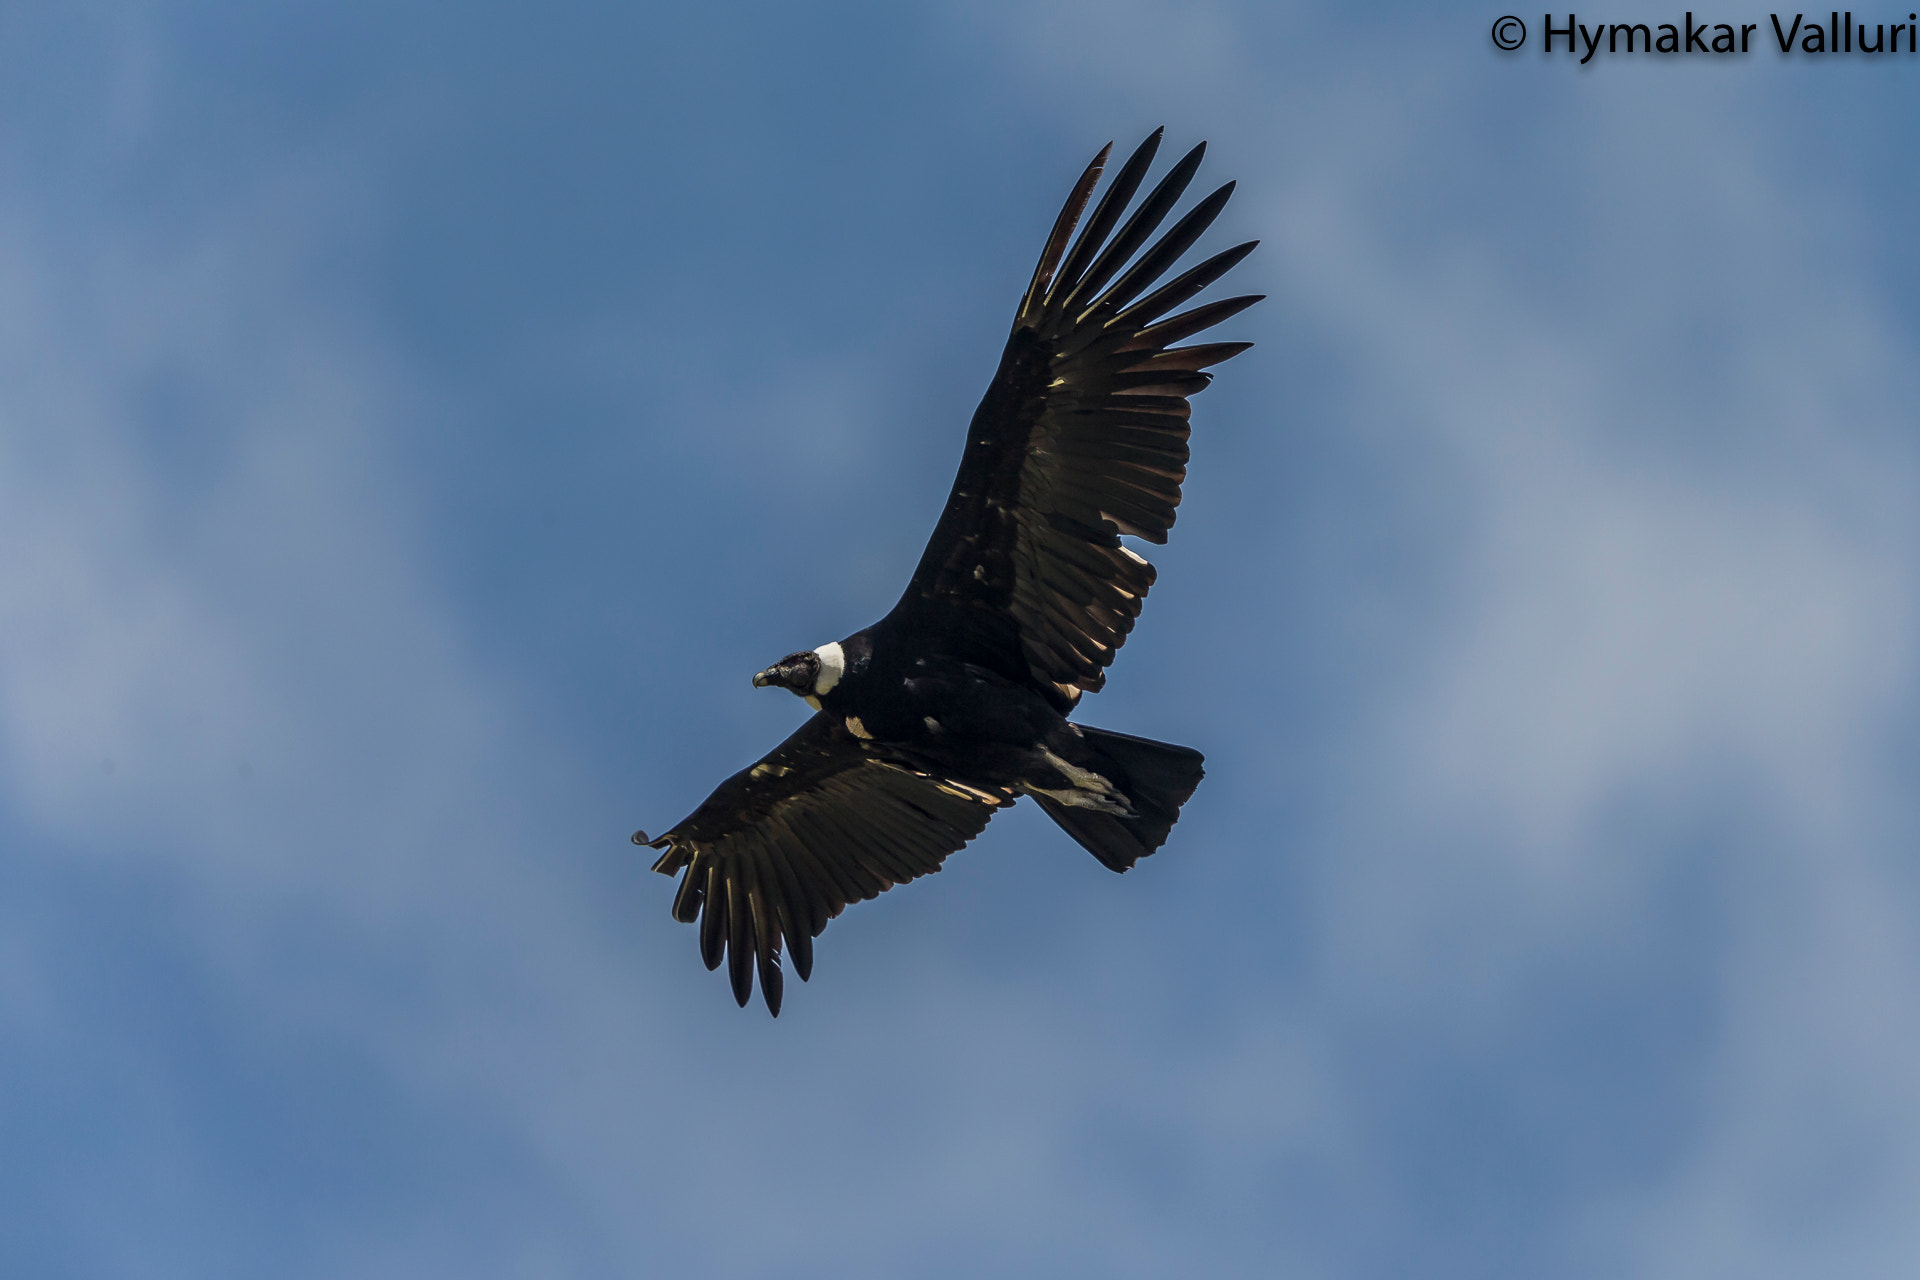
column 956, row 702
column 960, row 721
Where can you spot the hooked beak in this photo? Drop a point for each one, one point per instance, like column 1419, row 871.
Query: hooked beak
column 765, row 678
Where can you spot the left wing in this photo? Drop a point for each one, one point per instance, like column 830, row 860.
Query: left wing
column 782, row 847
column 1081, row 437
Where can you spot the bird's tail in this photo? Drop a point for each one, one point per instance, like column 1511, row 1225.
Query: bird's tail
column 1156, row 778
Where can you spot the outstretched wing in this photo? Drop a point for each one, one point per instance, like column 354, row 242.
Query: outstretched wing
column 1082, row 437
column 782, row 847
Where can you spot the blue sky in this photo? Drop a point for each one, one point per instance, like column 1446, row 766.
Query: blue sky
column 417, row 422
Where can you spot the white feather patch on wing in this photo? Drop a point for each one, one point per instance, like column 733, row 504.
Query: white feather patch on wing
column 833, row 665
column 857, row 729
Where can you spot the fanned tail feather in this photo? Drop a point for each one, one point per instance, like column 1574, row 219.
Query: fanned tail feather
column 1156, row 777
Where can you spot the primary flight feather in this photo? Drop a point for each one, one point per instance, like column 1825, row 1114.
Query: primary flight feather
column 955, row 703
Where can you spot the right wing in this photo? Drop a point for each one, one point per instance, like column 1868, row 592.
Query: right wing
column 782, row 847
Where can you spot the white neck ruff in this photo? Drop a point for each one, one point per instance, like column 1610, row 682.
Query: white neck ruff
column 833, row 665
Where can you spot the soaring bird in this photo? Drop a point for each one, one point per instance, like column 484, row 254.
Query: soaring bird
column 955, row 704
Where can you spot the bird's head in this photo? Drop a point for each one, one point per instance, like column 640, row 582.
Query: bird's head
column 810, row 674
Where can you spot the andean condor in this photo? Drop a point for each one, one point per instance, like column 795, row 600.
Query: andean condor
column 956, row 702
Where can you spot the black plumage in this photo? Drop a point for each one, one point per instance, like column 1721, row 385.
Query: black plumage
column 955, row 703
